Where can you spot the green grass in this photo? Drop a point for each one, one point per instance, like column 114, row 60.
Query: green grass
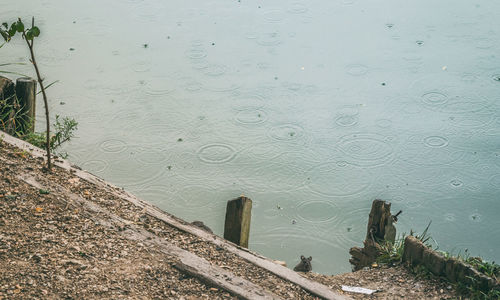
column 392, row 253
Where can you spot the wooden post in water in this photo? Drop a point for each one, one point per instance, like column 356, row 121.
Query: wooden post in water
column 237, row 224
column 26, row 94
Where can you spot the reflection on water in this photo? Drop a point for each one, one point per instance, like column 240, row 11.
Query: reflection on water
column 311, row 108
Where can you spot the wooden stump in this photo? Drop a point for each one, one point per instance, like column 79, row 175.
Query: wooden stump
column 8, row 105
column 237, row 223
column 380, row 217
column 7, row 88
column 26, row 95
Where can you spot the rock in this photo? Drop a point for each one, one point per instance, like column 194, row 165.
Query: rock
column 280, row 262
column 200, row 225
column 37, row 258
column 74, row 262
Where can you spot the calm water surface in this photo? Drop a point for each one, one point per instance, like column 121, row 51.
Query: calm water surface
column 311, row 108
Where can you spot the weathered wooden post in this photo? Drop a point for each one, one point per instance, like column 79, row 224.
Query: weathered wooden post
column 26, row 95
column 237, row 224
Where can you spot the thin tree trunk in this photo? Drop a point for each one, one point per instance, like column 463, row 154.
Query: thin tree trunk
column 40, row 81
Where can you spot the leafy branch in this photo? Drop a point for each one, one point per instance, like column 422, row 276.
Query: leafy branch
column 29, row 36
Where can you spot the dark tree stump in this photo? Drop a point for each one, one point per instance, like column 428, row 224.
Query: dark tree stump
column 7, row 88
column 8, row 105
column 380, row 217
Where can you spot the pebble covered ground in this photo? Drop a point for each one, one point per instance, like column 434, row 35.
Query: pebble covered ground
column 52, row 247
column 390, row 283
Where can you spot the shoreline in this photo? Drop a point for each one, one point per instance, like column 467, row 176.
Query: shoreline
column 75, row 205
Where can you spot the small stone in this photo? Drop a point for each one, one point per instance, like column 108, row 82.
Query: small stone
column 280, row 262
column 37, row 258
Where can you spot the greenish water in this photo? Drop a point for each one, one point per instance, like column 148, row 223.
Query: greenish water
column 311, row 108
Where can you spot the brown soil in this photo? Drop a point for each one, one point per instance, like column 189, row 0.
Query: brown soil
column 390, row 283
column 51, row 247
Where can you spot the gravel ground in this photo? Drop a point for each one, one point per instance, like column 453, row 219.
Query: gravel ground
column 50, row 247
column 390, row 282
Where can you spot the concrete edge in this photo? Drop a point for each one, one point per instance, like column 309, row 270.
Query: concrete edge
column 416, row 253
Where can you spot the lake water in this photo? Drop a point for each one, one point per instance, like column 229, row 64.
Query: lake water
column 310, row 108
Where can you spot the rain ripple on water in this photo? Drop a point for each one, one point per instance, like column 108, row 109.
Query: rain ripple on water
column 298, row 8
column 216, row 153
column 436, row 141
column 449, row 93
column 357, row 69
column 286, row 132
column 251, row 117
column 429, row 151
column 317, row 211
column 338, row 179
column 366, row 149
column 113, row 146
column 95, row 166
column 274, row 16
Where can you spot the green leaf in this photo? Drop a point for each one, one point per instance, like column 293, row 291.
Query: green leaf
column 29, row 35
column 36, row 31
column 5, row 25
column 49, row 85
column 13, row 29
column 32, row 33
column 10, row 64
column 5, row 35
column 20, row 26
